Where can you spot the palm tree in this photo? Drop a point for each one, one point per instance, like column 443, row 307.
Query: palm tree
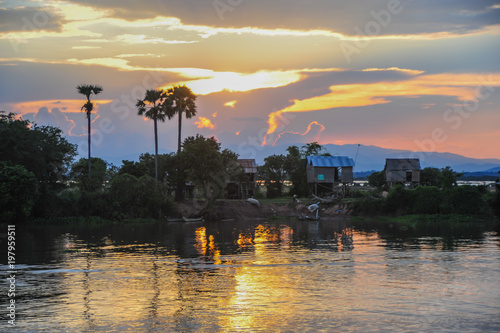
column 88, row 91
column 154, row 109
column 181, row 101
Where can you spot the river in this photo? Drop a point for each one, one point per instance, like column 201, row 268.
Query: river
column 258, row 276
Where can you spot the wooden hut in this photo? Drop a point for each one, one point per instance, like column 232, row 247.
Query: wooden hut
column 404, row 171
column 237, row 189
column 325, row 172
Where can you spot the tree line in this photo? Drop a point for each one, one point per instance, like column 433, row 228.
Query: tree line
column 39, row 178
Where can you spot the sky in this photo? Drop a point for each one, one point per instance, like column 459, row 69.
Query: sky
column 420, row 75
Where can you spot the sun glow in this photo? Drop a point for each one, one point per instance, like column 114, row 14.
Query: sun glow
column 232, row 81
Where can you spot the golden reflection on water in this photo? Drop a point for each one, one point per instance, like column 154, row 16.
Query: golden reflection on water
column 335, row 277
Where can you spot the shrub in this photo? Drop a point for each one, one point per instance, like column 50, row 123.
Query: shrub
column 425, row 200
column 465, row 200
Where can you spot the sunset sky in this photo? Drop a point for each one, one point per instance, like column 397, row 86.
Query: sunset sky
column 419, row 75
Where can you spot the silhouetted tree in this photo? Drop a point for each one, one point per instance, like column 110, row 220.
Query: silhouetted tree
column 182, row 100
column 153, row 107
column 88, row 91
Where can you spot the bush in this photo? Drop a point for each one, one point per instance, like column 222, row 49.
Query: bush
column 398, row 201
column 425, row 200
column 465, row 200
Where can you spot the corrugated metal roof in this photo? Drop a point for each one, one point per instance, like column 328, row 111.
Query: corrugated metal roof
column 402, row 164
column 330, row 161
column 249, row 165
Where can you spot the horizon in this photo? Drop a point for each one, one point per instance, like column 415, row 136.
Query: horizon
column 391, row 74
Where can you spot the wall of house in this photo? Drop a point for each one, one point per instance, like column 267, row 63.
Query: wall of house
column 346, row 175
column 313, row 174
column 399, row 176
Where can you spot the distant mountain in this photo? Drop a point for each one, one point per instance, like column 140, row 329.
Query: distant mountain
column 367, row 158
column 373, row 158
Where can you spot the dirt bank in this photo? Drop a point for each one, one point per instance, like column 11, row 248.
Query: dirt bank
column 244, row 210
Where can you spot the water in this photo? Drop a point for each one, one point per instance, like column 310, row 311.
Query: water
column 254, row 276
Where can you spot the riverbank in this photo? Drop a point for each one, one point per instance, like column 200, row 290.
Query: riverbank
column 286, row 209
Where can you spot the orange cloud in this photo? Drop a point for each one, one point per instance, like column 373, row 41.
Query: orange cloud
column 462, row 86
column 316, row 137
column 67, row 105
column 204, row 123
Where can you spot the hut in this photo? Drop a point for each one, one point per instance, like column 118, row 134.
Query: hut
column 404, row 171
column 325, row 172
column 243, row 189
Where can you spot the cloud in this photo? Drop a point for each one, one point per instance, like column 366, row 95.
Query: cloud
column 54, row 117
column 410, row 18
column 29, row 19
column 204, row 123
column 311, row 134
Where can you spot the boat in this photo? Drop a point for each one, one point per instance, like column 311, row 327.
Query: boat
column 195, row 219
column 186, row 219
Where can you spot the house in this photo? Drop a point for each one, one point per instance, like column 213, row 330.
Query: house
column 404, row 171
column 243, row 189
column 325, row 172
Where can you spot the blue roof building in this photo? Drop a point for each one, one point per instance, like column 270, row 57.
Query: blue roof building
column 325, row 172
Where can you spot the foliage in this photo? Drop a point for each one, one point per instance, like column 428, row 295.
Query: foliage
column 398, row 200
column 377, row 179
column 449, row 177
column 463, row 200
column 42, row 151
column 430, row 177
column 313, row 148
column 295, row 167
column 425, row 200
column 17, row 192
column 274, row 174
column 208, row 167
column 79, row 173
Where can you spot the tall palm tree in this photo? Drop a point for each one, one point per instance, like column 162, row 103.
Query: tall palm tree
column 88, row 91
column 181, row 101
column 153, row 106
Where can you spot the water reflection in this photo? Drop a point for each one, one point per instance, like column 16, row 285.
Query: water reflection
column 255, row 276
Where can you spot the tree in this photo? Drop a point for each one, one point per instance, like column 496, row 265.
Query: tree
column 274, row 173
column 88, row 91
column 449, row 177
column 18, row 192
column 182, row 100
column 295, row 167
column 42, row 151
column 313, row 148
column 153, row 107
column 208, row 167
column 79, row 173
column 430, row 177
column 377, row 179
